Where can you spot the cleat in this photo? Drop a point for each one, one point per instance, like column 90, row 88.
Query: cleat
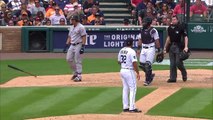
column 146, row 83
column 77, row 79
column 126, row 110
column 73, row 77
column 151, row 79
column 135, row 111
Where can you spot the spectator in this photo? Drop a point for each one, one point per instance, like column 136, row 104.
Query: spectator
column 7, row 17
column 23, row 8
column 170, row 13
column 148, row 12
column 3, row 7
column 71, row 7
column 98, row 20
column 15, row 19
column 155, row 22
column 50, row 4
column 40, row 15
column 61, row 3
column 171, row 4
column 37, row 22
column 2, row 3
column 133, row 5
column 24, row 19
column 84, row 20
column 93, row 15
column 87, row 6
column 62, row 21
column 14, row 5
column 37, row 8
column 163, row 11
column 126, row 22
column 179, row 8
column 51, row 11
column 31, row 3
column 10, row 23
column 48, row 22
column 198, row 8
column 56, row 17
column 77, row 10
column 139, row 9
column 165, row 21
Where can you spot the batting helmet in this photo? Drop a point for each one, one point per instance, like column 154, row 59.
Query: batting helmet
column 75, row 17
column 184, row 55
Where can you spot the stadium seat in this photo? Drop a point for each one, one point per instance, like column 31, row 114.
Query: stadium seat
column 197, row 18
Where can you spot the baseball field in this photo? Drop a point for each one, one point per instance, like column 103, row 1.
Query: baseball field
column 52, row 95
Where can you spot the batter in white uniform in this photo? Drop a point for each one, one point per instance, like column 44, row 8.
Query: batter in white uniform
column 128, row 61
column 76, row 39
column 148, row 42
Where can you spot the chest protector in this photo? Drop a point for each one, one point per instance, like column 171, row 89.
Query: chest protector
column 146, row 35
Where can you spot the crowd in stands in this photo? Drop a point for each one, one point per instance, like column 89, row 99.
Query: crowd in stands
column 59, row 12
column 161, row 11
column 49, row 12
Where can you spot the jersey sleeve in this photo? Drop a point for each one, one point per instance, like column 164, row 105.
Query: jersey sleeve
column 184, row 32
column 83, row 31
column 154, row 34
column 133, row 56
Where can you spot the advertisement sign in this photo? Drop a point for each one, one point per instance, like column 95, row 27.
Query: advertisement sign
column 99, row 39
column 200, row 35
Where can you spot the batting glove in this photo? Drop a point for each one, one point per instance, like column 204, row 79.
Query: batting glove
column 82, row 49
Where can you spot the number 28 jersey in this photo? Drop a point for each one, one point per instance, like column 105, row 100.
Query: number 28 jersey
column 126, row 57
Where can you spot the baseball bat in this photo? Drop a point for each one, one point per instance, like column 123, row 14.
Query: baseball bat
column 15, row 68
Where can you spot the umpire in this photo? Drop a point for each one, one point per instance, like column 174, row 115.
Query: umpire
column 175, row 45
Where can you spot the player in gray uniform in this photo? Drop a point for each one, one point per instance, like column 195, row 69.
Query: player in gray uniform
column 76, row 39
column 146, row 47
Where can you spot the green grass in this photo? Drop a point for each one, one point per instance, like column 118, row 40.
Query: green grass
column 53, row 67
column 60, row 66
column 187, row 102
column 23, row 103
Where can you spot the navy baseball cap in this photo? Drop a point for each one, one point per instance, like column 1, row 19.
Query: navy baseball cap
column 75, row 17
column 129, row 41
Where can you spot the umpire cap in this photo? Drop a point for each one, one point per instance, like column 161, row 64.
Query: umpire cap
column 129, row 42
column 75, row 17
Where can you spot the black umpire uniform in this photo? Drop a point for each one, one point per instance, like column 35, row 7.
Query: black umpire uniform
column 175, row 44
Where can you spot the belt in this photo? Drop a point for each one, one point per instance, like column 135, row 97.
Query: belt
column 128, row 68
column 146, row 47
column 174, row 43
column 74, row 44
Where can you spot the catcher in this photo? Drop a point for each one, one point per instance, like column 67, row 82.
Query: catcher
column 148, row 41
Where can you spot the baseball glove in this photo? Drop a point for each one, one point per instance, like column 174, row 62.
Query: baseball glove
column 159, row 57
